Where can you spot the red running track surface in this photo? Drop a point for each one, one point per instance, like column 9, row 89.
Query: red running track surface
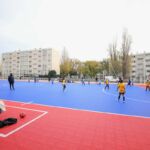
column 66, row 129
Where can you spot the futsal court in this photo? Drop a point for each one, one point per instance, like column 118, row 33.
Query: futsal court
column 80, row 118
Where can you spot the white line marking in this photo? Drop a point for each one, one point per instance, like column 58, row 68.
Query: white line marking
column 27, row 103
column 94, row 111
column 2, row 135
column 26, row 108
column 131, row 99
column 29, row 122
column 86, row 110
column 17, row 129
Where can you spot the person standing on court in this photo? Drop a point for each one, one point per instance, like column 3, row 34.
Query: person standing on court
column 122, row 90
column 64, row 84
column 106, row 84
column 147, row 85
column 129, row 82
column 35, row 80
column 11, row 81
column 82, row 81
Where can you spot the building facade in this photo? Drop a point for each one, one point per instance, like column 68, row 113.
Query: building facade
column 30, row 62
column 140, row 67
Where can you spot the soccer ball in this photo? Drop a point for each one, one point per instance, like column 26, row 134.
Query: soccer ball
column 22, row 115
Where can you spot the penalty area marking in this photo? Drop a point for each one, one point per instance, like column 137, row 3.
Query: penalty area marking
column 27, row 123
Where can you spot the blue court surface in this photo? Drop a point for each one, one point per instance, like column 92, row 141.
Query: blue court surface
column 91, row 97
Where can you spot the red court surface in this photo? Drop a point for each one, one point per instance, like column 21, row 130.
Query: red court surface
column 52, row 128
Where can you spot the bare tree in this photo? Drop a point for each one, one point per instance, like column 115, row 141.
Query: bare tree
column 74, row 66
column 65, row 63
column 125, row 50
column 114, row 60
column 104, row 66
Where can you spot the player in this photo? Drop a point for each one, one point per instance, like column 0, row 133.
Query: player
column 35, row 80
column 64, row 84
column 82, row 80
column 52, row 81
column 107, row 84
column 96, row 79
column 11, row 81
column 147, row 85
column 129, row 82
column 121, row 89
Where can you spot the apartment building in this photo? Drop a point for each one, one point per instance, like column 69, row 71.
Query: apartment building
column 140, row 64
column 30, row 62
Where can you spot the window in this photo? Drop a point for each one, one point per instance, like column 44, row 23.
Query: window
column 140, row 58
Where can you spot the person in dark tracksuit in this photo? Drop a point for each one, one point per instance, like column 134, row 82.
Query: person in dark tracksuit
column 11, row 81
column 129, row 82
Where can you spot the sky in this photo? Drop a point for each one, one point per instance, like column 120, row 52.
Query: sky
column 84, row 27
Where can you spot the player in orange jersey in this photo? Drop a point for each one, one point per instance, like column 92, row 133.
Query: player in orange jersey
column 121, row 89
